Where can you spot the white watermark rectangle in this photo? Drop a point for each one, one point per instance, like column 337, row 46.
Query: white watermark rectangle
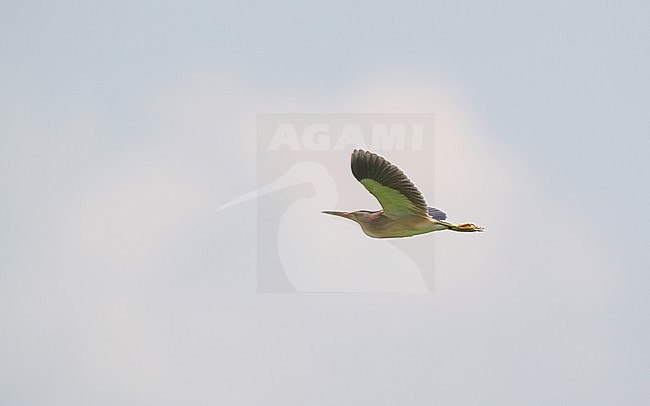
column 304, row 169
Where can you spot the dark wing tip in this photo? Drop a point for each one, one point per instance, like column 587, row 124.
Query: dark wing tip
column 368, row 165
column 358, row 162
column 436, row 214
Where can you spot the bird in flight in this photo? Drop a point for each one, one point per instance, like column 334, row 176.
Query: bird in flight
column 404, row 212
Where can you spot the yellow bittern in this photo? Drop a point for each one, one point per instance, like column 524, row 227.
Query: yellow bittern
column 405, row 213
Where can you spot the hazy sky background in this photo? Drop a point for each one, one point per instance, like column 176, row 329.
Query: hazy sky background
column 122, row 127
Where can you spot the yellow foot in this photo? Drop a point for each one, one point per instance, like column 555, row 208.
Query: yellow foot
column 467, row 228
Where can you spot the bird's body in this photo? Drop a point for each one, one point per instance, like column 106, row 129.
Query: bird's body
column 377, row 225
column 405, row 213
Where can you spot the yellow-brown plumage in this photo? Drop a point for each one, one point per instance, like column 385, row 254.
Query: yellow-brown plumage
column 404, row 211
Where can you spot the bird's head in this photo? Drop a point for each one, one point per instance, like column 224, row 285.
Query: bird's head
column 359, row 216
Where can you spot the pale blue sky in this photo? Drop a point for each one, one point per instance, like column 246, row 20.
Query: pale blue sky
column 122, row 126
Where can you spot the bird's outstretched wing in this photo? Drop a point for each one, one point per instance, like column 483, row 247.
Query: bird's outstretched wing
column 397, row 195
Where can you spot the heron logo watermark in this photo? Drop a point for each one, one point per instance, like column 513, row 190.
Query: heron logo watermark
column 303, row 169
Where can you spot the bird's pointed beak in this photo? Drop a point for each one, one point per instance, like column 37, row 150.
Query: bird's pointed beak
column 347, row 215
